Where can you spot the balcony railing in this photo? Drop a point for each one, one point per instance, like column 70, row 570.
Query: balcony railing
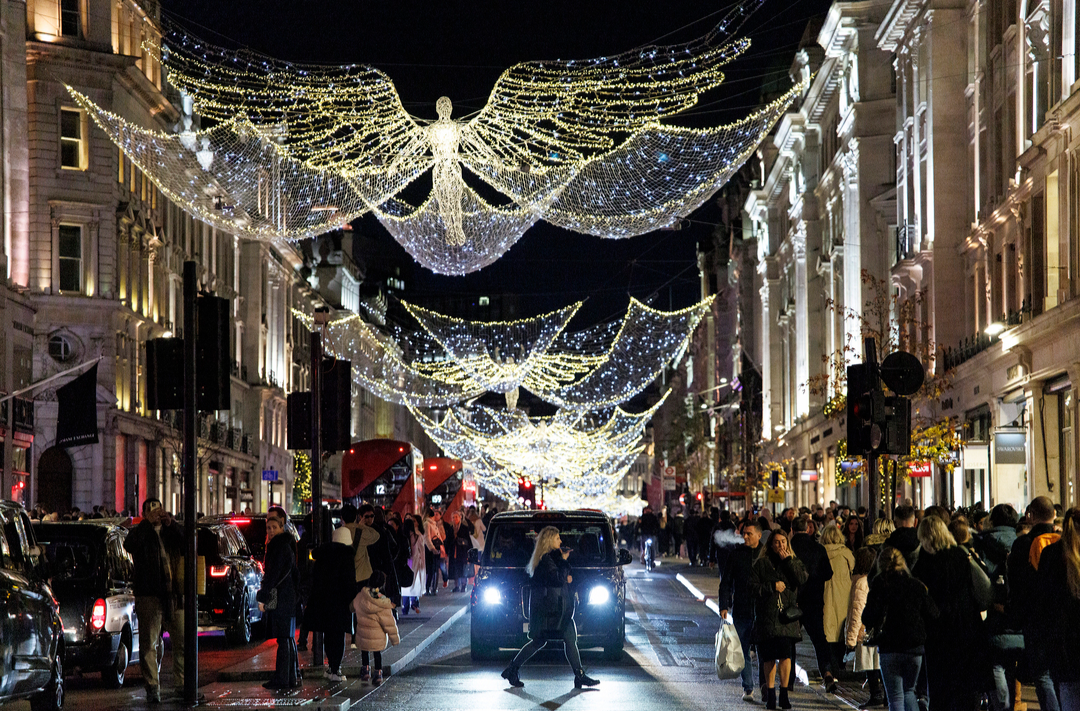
column 976, row 344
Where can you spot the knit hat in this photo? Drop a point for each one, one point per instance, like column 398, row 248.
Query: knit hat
column 343, row 535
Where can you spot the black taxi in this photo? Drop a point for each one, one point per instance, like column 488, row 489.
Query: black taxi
column 501, row 596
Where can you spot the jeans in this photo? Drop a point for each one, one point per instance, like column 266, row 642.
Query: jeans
column 152, row 622
column 899, row 672
column 569, row 643
column 1069, row 695
column 1006, row 653
column 1039, row 659
column 745, row 628
column 814, row 623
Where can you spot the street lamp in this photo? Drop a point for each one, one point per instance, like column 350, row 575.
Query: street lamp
column 994, row 329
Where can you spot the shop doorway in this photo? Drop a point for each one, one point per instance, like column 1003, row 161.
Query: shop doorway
column 54, row 480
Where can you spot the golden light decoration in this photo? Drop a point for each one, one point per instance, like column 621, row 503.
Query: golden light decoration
column 588, row 370
column 300, row 149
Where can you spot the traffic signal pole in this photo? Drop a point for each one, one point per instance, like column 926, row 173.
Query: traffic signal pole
column 873, row 475
column 191, row 601
column 316, row 462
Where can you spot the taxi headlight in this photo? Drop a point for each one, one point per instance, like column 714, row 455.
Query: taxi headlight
column 599, row 595
column 492, row 596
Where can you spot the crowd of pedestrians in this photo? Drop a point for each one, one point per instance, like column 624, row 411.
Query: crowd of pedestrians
column 934, row 609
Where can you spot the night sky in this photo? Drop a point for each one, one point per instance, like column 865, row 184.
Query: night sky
column 458, row 49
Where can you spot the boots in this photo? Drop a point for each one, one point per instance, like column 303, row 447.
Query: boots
column 582, row 679
column 877, row 694
column 365, row 673
column 511, row 675
column 783, row 702
column 376, row 677
column 770, row 698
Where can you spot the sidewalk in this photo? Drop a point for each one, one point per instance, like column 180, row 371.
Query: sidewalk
column 240, row 685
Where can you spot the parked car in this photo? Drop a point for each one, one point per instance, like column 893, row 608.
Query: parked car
column 253, row 527
column 31, row 631
column 91, row 578
column 233, row 577
column 501, row 596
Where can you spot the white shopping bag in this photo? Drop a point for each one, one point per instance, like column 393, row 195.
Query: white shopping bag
column 729, row 656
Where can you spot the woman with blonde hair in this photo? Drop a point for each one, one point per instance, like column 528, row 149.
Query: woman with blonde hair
column 551, row 607
column 899, row 610
column 956, row 645
column 883, row 528
column 837, row 594
column 1059, row 586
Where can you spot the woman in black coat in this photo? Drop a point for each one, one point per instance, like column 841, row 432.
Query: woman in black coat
column 333, row 588
column 774, row 585
column 279, row 591
column 382, row 554
column 457, row 550
column 551, row 607
column 956, row 645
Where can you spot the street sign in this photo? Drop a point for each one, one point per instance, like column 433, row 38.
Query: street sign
column 669, row 485
column 776, row 496
column 918, row 470
column 270, row 475
column 902, row 372
column 669, row 472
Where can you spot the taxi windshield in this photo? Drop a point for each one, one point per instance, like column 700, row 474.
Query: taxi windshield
column 510, row 543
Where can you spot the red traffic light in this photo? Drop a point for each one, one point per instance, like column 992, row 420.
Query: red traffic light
column 528, row 484
column 699, row 496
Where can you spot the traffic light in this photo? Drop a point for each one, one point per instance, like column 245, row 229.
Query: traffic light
column 865, row 410
column 212, row 361
column 165, row 374
column 897, row 435
column 530, row 493
column 298, row 421
column 335, row 405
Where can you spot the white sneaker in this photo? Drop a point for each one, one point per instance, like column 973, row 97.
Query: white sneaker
column 748, row 696
column 336, row 677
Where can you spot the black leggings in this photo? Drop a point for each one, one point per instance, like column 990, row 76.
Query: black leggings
column 335, row 650
column 377, row 660
column 569, row 643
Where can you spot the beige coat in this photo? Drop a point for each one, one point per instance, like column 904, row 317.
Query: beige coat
column 837, row 590
column 376, row 628
column 866, row 658
column 363, row 536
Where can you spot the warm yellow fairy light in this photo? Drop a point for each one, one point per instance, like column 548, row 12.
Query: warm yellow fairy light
column 576, row 143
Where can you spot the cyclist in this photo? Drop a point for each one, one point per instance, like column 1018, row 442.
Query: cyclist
column 648, row 531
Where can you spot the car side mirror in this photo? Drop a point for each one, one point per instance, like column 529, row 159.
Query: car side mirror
column 474, row 556
column 625, row 557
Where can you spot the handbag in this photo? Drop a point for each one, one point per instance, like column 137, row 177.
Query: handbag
column 271, row 599
column 874, row 634
column 787, row 613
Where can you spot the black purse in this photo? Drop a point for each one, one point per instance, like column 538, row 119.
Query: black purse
column 787, row 613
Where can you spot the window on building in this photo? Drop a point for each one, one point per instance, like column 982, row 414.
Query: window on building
column 72, row 143
column 69, row 251
column 69, row 18
column 60, row 348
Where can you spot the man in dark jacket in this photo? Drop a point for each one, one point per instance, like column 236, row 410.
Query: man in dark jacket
column 812, row 594
column 156, row 548
column 735, row 595
column 690, row 534
column 705, row 536
column 1023, row 594
column 904, row 538
column 649, row 527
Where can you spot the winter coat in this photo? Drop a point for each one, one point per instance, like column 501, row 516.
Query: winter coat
column 815, row 559
column 376, row 628
column 734, row 593
column 900, row 608
column 905, row 540
column 157, row 559
column 837, row 590
column 551, row 603
column 418, row 564
column 994, row 547
column 435, row 534
column 1061, row 612
column 1022, row 577
column 280, row 571
column 874, row 540
column 866, row 658
column 458, row 545
column 332, row 589
column 768, row 570
column 363, row 536
column 381, row 555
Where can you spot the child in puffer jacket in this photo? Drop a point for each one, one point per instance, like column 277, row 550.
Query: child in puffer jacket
column 376, row 628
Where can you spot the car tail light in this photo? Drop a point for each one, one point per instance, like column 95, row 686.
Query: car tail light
column 219, row 571
column 97, row 615
column 239, row 521
column 219, row 610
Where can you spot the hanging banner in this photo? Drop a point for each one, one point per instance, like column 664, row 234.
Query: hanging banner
column 920, row 469
column 76, row 421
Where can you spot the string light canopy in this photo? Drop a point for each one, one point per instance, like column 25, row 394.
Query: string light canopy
column 299, row 149
column 577, row 455
column 587, row 370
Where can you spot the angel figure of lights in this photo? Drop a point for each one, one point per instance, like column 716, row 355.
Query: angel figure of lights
column 296, row 150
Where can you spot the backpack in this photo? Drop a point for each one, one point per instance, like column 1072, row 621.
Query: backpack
column 1038, row 544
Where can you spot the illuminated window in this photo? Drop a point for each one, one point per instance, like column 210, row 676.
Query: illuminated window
column 69, row 18
column 72, row 144
column 69, row 250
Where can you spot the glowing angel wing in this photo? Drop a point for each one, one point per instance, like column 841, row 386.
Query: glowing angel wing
column 348, row 118
column 555, row 113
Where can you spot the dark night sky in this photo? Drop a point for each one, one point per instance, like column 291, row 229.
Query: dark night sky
column 458, row 49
